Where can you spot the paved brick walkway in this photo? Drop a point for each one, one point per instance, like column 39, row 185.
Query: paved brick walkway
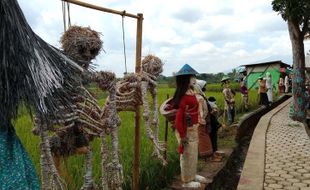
column 287, row 164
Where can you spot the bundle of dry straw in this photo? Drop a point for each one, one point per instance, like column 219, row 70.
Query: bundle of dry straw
column 152, row 65
column 81, row 43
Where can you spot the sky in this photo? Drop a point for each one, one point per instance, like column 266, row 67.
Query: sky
column 211, row 36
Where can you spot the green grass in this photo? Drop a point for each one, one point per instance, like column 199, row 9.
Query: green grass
column 152, row 174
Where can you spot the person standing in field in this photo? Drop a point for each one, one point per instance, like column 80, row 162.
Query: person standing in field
column 244, row 94
column 281, row 87
column 286, row 84
column 262, row 89
column 229, row 100
column 269, row 87
column 186, row 124
column 215, row 125
column 204, row 129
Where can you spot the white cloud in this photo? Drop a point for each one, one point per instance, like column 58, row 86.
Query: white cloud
column 199, row 49
column 211, row 35
column 234, row 45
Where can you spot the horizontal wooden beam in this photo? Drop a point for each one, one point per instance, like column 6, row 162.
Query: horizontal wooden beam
column 83, row 4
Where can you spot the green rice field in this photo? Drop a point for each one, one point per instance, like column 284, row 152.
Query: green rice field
column 152, row 174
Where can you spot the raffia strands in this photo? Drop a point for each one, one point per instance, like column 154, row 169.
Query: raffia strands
column 152, row 65
column 105, row 80
column 131, row 78
column 31, row 71
column 75, row 126
column 81, row 43
column 112, row 172
column 47, row 166
column 65, row 143
column 152, row 134
column 89, row 183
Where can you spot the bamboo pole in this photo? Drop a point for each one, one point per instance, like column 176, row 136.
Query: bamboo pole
column 139, row 43
column 136, row 161
column 83, row 4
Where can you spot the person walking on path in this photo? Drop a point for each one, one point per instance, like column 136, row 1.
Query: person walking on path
column 229, row 99
column 186, row 124
column 262, row 89
column 204, row 146
column 269, row 87
column 244, row 94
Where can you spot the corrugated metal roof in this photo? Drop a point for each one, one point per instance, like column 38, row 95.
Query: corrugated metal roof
column 268, row 63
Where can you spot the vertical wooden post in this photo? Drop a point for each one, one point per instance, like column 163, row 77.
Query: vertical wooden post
column 136, row 161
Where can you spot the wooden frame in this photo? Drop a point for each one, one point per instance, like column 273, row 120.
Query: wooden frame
column 139, row 17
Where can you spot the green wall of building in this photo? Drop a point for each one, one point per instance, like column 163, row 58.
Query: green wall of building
column 253, row 77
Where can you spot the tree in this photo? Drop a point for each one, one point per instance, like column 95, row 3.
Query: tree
column 297, row 15
column 232, row 75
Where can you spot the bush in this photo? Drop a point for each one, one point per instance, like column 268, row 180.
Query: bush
column 217, row 87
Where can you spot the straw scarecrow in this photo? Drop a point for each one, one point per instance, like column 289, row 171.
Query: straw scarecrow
column 88, row 120
column 42, row 77
column 126, row 95
column 132, row 91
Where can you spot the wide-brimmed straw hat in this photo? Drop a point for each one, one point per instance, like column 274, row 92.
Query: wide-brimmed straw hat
column 167, row 110
column 186, row 70
column 225, row 78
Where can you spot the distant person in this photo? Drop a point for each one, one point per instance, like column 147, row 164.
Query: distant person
column 281, row 87
column 269, row 87
column 186, row 124
column 244, row 94
column 204, row 146
column 244, row 76
column 215, row 125
column 263, row 98
column 229, row 100
column 286, row 84
column 290, row 78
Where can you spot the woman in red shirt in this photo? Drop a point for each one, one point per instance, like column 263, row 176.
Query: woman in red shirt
column 186, row 123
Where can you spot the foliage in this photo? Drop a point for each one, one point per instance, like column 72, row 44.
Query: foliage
column 297, row 15
column 219, row 88
column 298, row 10
column 209, row 77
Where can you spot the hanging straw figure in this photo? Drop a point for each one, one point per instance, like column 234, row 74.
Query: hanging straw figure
column 81, row 124
column 132, row 91
column 126, row 95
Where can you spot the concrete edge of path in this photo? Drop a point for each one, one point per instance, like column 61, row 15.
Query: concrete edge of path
column 252, row 176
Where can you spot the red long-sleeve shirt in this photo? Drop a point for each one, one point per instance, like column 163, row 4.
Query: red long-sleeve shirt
column 188, row 103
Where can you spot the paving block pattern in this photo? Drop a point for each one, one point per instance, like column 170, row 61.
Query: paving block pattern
column 287, row 161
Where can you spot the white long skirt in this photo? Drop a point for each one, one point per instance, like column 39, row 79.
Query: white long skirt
column 269, row 94
column 189, row 158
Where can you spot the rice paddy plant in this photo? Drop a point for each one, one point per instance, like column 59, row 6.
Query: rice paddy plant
column 152, row 174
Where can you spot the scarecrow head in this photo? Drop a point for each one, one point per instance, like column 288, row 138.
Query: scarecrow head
column 82, row 44
column 105, row 80
column 152, row 65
